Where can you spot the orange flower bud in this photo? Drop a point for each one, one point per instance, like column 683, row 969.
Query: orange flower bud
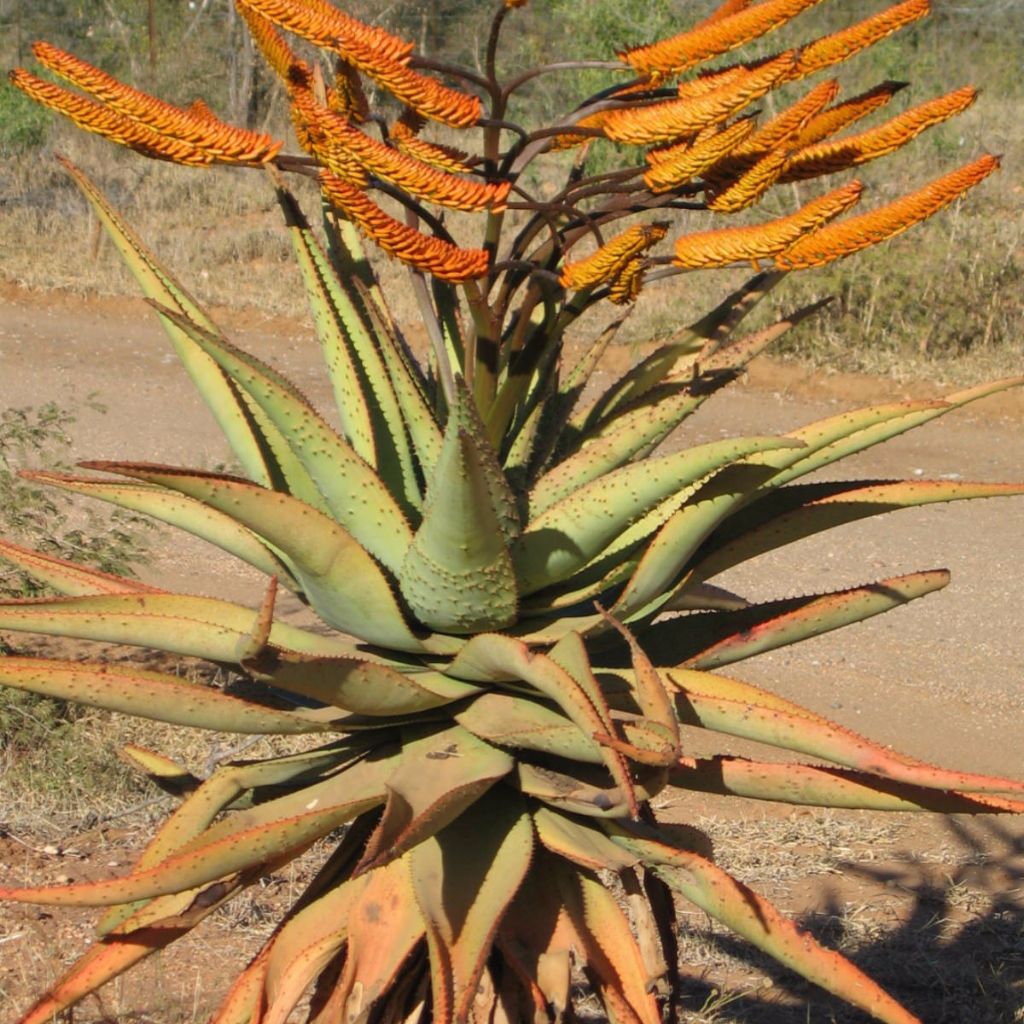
column 834, row 241
column 610, row 260
column 676, row 165
column 762, row 241
column 836, row 118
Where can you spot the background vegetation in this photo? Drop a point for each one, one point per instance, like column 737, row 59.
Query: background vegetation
column 946, row 300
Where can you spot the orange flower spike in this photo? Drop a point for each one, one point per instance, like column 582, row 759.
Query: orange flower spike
column 431, row 255
column 441, row 158
column 626, row 286
column 843, row 238
column 748, row 244
column 610, row 260
column 324, row 25
column 840, row 154
column 669, row 120
column 678, row 165
column 276, row 51
column 100, row 120
column 224, row 142
column 345, row 142
column 724, row 10
column 711, row 81
column 786, row 127
column 677, row 54
column 840, row 46
column 347, row 97
column 425, row 95
column 836, row 118
column 751, row 185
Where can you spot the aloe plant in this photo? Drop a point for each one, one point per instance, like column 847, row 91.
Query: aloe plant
column 521, row 624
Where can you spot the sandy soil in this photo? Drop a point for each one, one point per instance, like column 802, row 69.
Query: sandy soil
column 942, row 679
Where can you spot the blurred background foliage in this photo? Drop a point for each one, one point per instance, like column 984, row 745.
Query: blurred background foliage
column 952, row 292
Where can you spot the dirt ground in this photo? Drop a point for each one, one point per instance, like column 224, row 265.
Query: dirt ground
column 919, row 901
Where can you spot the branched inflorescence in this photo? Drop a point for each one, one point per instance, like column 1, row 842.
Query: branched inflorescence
column 489, row 548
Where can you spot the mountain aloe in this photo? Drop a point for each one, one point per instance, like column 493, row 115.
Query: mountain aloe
column 520, row 619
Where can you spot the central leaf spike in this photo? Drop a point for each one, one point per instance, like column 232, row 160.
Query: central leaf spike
column 457, row 576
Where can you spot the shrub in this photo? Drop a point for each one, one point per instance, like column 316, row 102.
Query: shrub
column 521, row 627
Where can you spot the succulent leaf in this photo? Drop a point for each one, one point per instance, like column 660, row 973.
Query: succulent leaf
column 69, row 577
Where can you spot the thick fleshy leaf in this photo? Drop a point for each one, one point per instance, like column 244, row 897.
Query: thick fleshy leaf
column 574, row 530
column 580, row 842
column 69, row 577
column 464, row 878
column 368, row 408
column 711, row 640
column 180, row 511
column 168, row 918
column 583, row 789
column 244, row 840
column 439, row 776
column 718, row 894
column 457, row 574
column 304, row 946
column 609, row 947
column 827, row 787
column 342, row 581
column 357, row 685
column 153, row 695
column 639, row 429
column 507, row 720
column 739, row 709
column 715, row 328
column 343, row 484
column 200, row 627
column 384, row 925
column 488, row 657
column 802, row 510
column 235, row 419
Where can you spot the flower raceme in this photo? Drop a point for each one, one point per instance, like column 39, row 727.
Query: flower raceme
column 492, row 693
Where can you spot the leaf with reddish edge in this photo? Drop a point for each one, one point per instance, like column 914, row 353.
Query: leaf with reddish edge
column 304, row 946
column 513, row 721
column 170, row 917
column 200, row 627
column 489, row 657
column 580, row 842
column 801, row 510
column 248, row 440
column 69, row 577
column 725, row 899
column 767, row 627
column 153, row 695
column 180, row 511
column 464, row 878
column 345, row 485
column 384, row 925
column 536, row 936
column 612, row 954
column 826, row 787
column 344, row 584
column 242, row 1003
column 247, row 839
column 439, row 775
column 355, row 684
column 739, row 709
column 584, row 789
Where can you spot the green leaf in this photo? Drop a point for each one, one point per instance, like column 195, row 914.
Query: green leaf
column 457, row 575
column 580, row 842
column 200, row 627
column 249, row 443
column 342, row 484
column 576, row 529
column 180, row 511
column 152, row 695
column 810, row 785
column 69, row 577
column 725, row 637
column 342, row 581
